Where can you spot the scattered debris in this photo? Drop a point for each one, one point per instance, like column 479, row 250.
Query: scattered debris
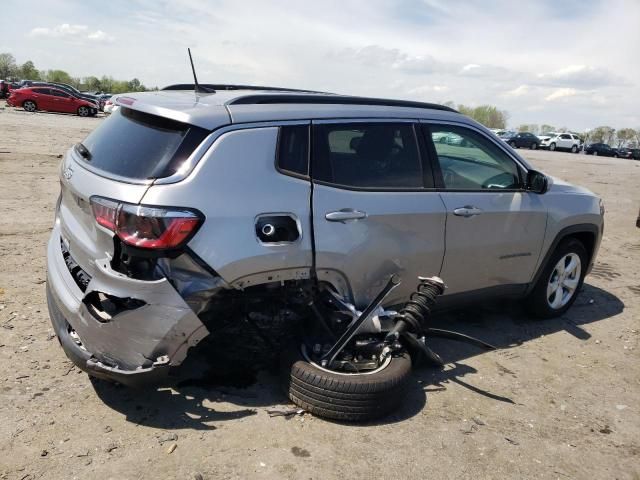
column 108, row 429
column 172, row 437
column 197, row 476
column 300, row 452
column 512, row 441
column 44, row 453
column 111, row 447
column 472, row 429
column 621, row 407
column 606, row 430
column 477, row 421
column 172, row 448
column 286, row 413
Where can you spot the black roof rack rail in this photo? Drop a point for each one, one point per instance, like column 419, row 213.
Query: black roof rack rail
column 219, row 86
column 333, row 99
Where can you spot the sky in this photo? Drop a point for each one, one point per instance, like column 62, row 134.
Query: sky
column 567, row 63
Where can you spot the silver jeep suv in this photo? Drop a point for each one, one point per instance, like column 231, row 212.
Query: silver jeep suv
column 309, row 216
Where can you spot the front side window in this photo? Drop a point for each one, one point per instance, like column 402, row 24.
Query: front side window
column 469, row 161
column 367, row 155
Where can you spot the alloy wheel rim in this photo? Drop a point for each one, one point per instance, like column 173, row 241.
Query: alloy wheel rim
column 29, row 107
column 563, row 281
column 83, row 111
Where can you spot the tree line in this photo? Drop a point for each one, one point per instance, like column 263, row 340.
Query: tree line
column 11, row 70
column 492, row 117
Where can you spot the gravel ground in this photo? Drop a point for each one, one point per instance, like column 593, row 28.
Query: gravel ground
column 559, row 400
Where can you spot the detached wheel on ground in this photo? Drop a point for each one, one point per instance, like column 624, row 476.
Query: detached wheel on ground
column 30, row 106
column 560, row 281
column 345, row 396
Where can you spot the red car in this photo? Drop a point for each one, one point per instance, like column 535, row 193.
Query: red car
column 52, row 100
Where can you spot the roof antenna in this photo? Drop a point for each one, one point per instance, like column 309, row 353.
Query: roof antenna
column 195, row 79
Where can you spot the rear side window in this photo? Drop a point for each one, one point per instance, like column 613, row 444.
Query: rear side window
column 293, row 149
column 367, row 155
column 140, row 146
column 42, row 91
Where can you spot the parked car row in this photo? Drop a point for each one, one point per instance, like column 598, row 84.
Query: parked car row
column 53, row 97
column 565, row 141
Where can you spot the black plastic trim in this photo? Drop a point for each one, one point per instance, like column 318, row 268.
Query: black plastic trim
column 331, row 99
column 562, row 234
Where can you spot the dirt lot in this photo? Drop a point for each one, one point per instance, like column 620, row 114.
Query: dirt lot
column 560, row 400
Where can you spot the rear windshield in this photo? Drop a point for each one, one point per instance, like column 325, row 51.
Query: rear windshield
column 140, row 146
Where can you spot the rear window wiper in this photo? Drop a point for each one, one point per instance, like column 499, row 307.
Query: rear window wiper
column 83, row 151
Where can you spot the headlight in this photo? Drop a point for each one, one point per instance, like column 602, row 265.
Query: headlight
column 601, row 207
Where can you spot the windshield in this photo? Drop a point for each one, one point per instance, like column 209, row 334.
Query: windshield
column 140, row 146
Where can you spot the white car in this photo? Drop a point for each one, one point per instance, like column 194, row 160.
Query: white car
column 560, row 141
column 110, row 107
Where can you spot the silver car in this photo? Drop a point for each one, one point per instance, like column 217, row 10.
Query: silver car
column 339, row 218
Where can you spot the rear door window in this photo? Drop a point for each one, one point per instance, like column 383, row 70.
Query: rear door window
column 140, row 146
column 293, row 149
column 367, row 155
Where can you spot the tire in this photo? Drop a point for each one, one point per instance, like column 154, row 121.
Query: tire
column 512, row 144
column 574, row 149
column 615, row 155
column 84, row 111
column 29, row 106
column 347, row 397
column 595, row 153
column 534, row 146
column 541, row 300
column 552, row 147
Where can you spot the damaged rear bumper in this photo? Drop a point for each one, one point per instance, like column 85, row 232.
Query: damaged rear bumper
column 134, row 346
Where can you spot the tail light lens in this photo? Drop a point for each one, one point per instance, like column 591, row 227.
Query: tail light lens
column 146, row 227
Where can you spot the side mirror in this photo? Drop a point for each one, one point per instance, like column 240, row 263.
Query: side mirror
column 537, row 182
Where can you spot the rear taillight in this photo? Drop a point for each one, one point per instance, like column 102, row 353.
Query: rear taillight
column 146, row 227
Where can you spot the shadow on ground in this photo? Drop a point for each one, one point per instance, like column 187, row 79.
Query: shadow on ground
column 194, row 402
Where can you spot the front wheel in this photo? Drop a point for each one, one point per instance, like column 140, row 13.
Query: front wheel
column 84, row 111
column 345, row 396
column 560, row 281
column 534, row 146
column 552, row 147
column 513, row 144
column 574, row 149
column 29, row 106
column 595, row 153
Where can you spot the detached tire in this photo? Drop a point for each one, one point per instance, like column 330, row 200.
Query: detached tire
column 347, row 397
column 560, row 281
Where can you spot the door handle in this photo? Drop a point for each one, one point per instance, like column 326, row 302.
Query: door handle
column 344, row 215
column 467, row 211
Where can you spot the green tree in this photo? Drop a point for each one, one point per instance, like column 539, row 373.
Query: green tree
column 8, row 67
column 59, row 76
column 602, row 134
column 28, row 71
column 625, row 135
column 488, row 115
column 92, row 84
column 532, row 128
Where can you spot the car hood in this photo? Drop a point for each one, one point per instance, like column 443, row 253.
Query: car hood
column 560, row 186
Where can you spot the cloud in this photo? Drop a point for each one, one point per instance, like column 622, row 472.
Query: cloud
column 381, row 57
column 580, row 76
column 518, row 91
column 69, row 31
column 561, row 93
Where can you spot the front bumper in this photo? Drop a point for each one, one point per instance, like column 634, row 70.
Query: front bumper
column 135, row 346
